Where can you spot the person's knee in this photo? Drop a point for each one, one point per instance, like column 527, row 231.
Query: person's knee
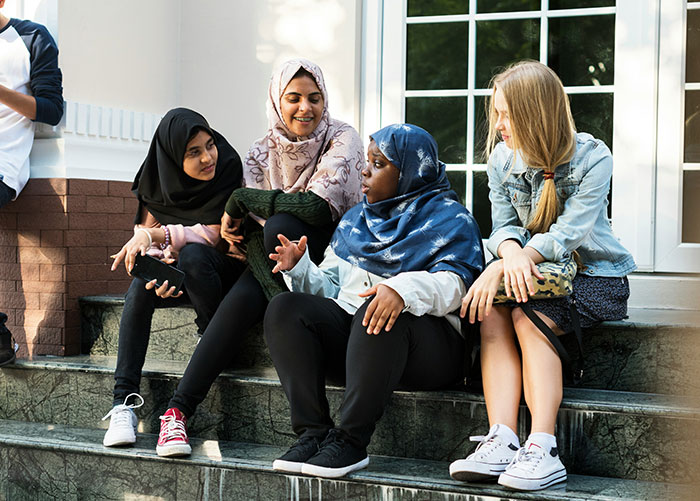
column 137, row 290
column 284, row 224
column 279, row 313
column 192, row 257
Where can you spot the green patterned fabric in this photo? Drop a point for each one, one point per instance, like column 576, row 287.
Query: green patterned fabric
column 306, row 206
column 260, row 266
column 558, row 282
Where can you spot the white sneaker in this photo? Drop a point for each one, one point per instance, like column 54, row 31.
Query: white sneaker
column 488, row 461
column 533, row 468
column 122, row 426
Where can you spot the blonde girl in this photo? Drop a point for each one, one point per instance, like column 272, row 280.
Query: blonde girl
column 548, row 191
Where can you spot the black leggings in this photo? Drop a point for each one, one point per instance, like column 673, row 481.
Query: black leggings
column 311, row 337
column 209, row 274
column 242, row 307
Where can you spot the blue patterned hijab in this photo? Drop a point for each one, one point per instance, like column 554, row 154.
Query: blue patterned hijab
column 424, row 227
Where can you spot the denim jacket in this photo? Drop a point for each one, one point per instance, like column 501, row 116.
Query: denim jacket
column 582, row 190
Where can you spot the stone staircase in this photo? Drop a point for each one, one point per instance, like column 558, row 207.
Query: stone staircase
column 629, row 431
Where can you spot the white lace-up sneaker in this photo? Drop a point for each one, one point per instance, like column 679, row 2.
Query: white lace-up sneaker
column 488, row 461
column 533, row 468
column 122, row 425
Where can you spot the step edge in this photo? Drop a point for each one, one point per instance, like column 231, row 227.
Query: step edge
column 684, row 408
column 265, row 466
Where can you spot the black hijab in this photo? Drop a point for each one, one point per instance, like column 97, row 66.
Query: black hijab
column 169, row 194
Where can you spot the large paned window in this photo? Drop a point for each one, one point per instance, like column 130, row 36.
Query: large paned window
column 691, row 131
column 678, row 179
column 453, row 48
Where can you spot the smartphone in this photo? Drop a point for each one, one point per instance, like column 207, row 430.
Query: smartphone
column 148, row 268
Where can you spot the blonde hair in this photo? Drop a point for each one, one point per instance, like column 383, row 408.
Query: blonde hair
column 542, row 128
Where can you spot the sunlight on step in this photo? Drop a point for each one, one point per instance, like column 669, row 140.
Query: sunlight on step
column 210, row 448
column 142, row 497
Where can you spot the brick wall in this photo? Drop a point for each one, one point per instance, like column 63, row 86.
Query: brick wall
column 55, row 243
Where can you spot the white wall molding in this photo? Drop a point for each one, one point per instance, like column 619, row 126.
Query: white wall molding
column 93, row 142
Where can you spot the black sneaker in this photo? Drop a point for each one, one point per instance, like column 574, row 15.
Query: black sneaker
column 302, row 450
column 7, row 350
column 336, row 458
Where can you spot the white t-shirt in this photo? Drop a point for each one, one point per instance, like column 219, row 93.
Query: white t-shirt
column 28, row 64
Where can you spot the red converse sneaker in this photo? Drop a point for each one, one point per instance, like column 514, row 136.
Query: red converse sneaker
column 173, row 440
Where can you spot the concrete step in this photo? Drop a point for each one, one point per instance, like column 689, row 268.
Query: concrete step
column 654, row 351
column 41, row 461
column 602, row 433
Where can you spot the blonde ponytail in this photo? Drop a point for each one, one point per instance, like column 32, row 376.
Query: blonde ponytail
column 542, row 128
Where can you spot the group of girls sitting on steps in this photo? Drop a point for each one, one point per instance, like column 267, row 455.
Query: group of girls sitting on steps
column 360, row 266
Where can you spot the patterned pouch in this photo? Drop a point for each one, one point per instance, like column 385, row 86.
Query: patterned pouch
column 558, row 282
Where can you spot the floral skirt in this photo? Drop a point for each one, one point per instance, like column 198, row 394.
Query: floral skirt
column 596, row 299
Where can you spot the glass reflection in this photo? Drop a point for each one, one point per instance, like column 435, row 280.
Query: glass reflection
column 691, row 207
column 593, row 113
column 437, row 7
column 481, row 207
column 692, row 53
column 458, row 182
column 499, row 43
column 481, row 129
column 436, row 56
column 446, row 119
column 691, row 143
column 507, row 5
column 579, row 4
column 579, row 58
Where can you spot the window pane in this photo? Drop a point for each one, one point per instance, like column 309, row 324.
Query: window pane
column 507, row 5
column 458, row 181
column 593, row 113
column 481, row 129
column 446, row 119
column 578, row 4
column 691, row 143
column 437, row 7
column 436, row 56
column 691, row 206
column 692, row 53
column 499, row 43
column 578, row 57
column 481, row 208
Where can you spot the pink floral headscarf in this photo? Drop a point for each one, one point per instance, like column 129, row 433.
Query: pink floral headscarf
column 328, row 162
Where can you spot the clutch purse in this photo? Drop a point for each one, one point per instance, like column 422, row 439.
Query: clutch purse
column 557, row 282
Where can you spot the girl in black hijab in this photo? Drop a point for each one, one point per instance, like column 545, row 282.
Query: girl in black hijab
column 182, row 188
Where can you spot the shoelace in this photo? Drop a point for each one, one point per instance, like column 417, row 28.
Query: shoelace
column 174, row 428
column 121, row 417
column 487, row 443
column 527, row 459
column 332, row 444
column 302, row 442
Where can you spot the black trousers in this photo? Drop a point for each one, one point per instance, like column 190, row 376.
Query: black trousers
column 311, row 338
column 209, row 274
column 241, row 308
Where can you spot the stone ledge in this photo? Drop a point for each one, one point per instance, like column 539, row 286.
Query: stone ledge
column 241, row 469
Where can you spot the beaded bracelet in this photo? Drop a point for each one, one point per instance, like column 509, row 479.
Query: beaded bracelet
column 165, row 244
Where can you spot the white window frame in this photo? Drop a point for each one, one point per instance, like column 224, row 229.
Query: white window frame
column 634, row 109
column 672, row 254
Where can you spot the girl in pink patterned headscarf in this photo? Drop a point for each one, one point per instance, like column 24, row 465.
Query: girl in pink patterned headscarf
column 326, row 162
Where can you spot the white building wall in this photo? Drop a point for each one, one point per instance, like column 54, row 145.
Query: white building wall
column 229, row 49
column 123, row 55
column 214, row 56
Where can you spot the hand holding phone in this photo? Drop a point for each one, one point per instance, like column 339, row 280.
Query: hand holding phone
column 149, row 268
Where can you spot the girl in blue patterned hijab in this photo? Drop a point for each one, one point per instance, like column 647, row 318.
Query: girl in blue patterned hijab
column 422, row 226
